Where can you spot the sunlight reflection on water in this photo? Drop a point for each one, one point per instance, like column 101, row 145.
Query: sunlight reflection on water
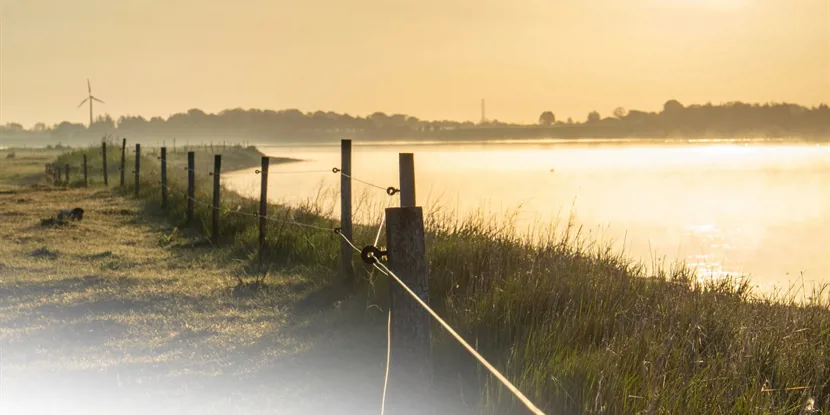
column 725, row 209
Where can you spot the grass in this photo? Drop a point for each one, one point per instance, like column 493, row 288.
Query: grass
column 26, row 167
column 125, row 312
column 578, row 328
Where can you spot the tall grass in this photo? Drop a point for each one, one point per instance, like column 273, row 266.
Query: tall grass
column 579, row 328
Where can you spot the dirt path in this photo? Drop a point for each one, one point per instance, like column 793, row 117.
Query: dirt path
column 119, row 314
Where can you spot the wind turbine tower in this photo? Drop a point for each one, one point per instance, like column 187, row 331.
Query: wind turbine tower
column 90, row 98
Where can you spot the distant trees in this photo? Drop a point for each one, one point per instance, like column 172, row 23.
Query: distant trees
column 547, row 118
column 68, row 131
column 672, row 106
column 675, row 119
column 12, row 127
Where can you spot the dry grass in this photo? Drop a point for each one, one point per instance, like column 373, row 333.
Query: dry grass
column 125, row 313
column 26, row 168
column 579, row 329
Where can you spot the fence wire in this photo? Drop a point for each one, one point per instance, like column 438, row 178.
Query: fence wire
column 380, row 266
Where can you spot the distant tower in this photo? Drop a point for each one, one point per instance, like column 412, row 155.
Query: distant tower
column 483, row 114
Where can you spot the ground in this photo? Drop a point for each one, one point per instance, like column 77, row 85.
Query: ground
column 123, row 313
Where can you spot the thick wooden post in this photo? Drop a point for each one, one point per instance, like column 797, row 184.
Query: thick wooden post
column 67, row 174
column 263, row 205
column 410, row 369
column 137, row 166
column 104, row 155
column 86, row 179
column 217, row 167
column 406, row 166
column 409, row 331
column 123, row 159
column 164, row 177
column 346, row 254
column 191, row 186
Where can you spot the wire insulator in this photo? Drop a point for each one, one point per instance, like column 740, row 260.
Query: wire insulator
column 371, row 254
column 335, row 170
column 391, row 191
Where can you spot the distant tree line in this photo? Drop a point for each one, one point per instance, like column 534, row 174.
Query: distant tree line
column 733, row 119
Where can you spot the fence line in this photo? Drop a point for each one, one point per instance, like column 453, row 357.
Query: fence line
column 369, row 254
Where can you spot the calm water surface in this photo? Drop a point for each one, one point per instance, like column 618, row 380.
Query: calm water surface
column 761, row 210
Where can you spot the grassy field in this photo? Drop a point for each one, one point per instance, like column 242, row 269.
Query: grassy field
column 126, row 313
column 580, row 330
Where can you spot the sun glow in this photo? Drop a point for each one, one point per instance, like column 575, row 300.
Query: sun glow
column 707, row 4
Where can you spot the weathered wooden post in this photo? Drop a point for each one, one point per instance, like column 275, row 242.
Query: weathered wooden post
column 86, row 180
column 217, row 167
column 67, row 174
column 406, row 176
column 263, row 205
column 164, row 177
column 104, row 156
column 123, row 159
column 346, row 254
column 409, row 329
column 137, row 166
column 191, row 186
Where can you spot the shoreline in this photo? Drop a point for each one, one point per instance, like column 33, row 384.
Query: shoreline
column 372, row 141
column 556, row 318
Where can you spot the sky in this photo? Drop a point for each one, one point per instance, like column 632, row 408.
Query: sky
column 434, row 59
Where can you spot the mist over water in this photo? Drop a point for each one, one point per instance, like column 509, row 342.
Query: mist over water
column 759, row 210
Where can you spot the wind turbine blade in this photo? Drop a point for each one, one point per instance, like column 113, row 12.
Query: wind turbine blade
column 83, row 102
column 88, row 86
column 99, row 100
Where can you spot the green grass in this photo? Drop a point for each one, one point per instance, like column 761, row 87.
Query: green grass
column 579, row 329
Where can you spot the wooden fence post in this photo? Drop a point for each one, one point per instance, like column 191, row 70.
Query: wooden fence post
column 123, row 160
column 164, row 177
column 137, row 166
column 86, row 180
column 191, row 186
column 104, row 154
column 406, row 177
column 346, row 254
column 217, row 167
column 409, row 331
column 67, row 174
column 263, row 205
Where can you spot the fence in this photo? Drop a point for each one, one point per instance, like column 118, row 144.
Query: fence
column 403, row 261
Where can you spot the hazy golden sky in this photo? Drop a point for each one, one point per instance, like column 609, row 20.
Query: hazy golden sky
column 434, row 59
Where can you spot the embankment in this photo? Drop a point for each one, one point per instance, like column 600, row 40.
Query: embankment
column 579, row 330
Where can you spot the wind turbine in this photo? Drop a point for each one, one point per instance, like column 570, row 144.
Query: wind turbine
column 90, row 98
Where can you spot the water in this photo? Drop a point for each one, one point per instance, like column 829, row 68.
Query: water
column 759, row 210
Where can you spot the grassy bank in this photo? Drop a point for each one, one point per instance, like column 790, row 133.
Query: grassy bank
column 124, row 314
column 579, row 330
